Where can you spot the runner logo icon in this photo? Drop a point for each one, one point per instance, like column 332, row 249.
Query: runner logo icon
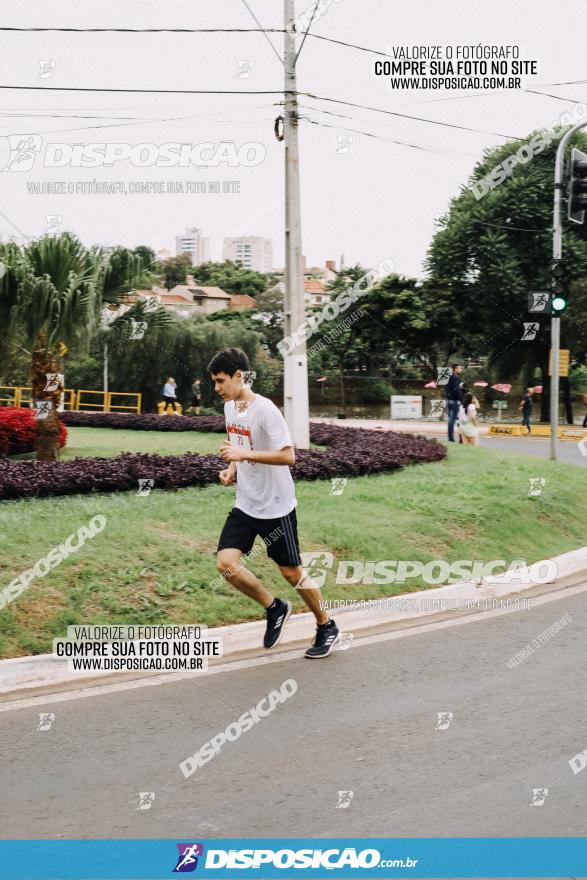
column 187, row 861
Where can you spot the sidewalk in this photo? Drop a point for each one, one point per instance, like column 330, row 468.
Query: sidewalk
column 406, row 426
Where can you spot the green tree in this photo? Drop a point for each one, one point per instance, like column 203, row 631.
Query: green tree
column 231, row 277
column 52, row 294
column 490, row 252
column 146, row 255
column 183, row 349
column 270, row 318
column 174, row 271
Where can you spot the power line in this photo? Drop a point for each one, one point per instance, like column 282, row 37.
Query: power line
column 263, row 30
column 8, row 115
column 74, row 30
column 548, row 95
column 571, row 82
column 315, row 9
column 370, row 134
column 383, row 138
column 362, row 119
column 258, row 92
column 146, row 91
column 32, row 115
column 259, row 29
column 514, row 228
column 350, row 46
column 407, row 116
column 157, row 121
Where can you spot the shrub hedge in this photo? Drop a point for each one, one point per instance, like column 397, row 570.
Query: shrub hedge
column 147, row 422
column 350, row 452
column 18, row 430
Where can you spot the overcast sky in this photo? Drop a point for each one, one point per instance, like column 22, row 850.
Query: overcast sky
column 376, row 200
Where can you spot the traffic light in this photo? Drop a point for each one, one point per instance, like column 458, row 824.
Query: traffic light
column 577, row 190
column 558, row 302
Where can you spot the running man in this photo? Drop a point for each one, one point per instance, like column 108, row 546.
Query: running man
column 259, row 453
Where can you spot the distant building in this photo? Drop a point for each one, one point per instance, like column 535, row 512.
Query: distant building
column 162, row 255
column 316, row 281
column 194, row 244
column 249, row 251
column 315, row 292
column 242, row 302
column 185, row 298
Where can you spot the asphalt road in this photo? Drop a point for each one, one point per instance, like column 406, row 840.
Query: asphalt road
column 364, row 720
column 567, row 450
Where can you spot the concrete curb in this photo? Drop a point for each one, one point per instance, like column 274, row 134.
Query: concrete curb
column 378, row 615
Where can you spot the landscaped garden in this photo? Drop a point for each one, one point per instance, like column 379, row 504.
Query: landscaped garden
column 154, row 561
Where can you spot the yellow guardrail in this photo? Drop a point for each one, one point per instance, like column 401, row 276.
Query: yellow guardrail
column 126, row 406
column 102, row 406
column 106, row 404
column 165, row 409
column 20, row 395
column 565, row 432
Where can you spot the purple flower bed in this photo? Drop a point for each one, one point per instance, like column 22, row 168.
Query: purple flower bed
column 351, row 452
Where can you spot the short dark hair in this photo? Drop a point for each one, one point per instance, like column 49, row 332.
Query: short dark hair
column 228, row 360
column 455, row 366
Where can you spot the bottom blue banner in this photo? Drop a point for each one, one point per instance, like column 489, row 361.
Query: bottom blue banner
column 297, row 857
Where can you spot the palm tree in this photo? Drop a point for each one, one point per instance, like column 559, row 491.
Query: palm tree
column 54, row 290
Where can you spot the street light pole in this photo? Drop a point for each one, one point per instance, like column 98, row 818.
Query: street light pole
column 295, row 364
column 557, row 252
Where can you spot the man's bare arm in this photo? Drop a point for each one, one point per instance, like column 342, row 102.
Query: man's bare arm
column 275, row 456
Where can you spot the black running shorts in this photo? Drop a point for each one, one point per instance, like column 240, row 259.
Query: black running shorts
column 279, row 535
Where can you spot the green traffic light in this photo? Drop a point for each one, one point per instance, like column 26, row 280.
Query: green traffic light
column 558, row 305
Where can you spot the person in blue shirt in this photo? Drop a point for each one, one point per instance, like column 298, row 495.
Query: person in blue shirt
column 454, row 398
column 169, row 395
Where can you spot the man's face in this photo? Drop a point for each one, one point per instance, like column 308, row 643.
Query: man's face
column 228, row 387
column 458, row 370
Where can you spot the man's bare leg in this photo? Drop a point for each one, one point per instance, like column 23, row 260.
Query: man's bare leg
column 233, row 571
column 311, row 594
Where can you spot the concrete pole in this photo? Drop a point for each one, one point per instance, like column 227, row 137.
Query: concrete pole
column 295, row 364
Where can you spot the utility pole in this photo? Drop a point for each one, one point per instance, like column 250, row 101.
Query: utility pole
column 105, row 368
column 557, row 252
column 295, row 364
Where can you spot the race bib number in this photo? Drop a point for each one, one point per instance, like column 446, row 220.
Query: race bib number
column 240, row 437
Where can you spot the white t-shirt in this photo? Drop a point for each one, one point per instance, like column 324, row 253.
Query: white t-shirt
column 169, row 390
column 265, row 491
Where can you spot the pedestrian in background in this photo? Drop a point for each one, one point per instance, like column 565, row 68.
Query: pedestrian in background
column 196, row 397
column 468, row 426
column 169, row 394
column 454, row 398
column 526, row 408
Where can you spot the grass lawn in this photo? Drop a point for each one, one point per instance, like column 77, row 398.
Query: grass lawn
column 105, row 442
column 155, row 559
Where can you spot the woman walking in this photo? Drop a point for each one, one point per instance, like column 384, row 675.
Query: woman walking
column 468, row 426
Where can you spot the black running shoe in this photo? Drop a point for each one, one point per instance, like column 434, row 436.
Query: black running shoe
column 276, row 619
column 327, row 635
